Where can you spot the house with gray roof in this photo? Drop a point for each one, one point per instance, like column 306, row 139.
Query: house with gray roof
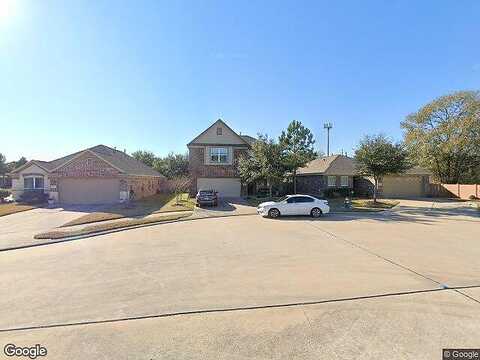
column 97, row 175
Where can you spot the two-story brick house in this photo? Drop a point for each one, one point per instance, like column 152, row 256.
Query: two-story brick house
column 213, row 160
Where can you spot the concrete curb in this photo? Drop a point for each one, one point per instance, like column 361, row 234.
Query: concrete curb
column 105, row 232
column 188, row 218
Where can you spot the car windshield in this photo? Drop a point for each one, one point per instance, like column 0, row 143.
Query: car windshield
column 205, row 192
column 283, row 198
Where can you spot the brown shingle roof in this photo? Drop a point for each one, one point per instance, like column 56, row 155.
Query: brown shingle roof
column 122, row 161
column 330, row 165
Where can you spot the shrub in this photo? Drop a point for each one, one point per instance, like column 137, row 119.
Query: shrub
column 34, row 197
column 335, row 193
column 4, row 193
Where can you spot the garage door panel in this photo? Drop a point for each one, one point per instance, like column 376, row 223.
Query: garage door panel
column 226, row 187
column 88, row 191
column 402, row 186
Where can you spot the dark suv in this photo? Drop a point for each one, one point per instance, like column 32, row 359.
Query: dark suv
column 207, row 197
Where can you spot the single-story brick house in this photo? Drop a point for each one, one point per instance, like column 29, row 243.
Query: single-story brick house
column 328, row 172
column 213, row 159
column 340, row 172
column 98, row 175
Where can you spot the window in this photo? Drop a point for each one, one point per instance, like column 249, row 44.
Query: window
column 291, row 200
column 219, row 155
column 304, row 199
column 344, row 181
column 32, row 182
column 332, row 181
column 219, row 131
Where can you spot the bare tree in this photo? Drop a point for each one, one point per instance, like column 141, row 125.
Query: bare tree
column 178, row 186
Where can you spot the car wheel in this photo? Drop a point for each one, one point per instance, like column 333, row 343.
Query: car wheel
column 273, row 213
column 316, row 212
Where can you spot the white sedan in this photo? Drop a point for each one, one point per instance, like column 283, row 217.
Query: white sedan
column 294, row 205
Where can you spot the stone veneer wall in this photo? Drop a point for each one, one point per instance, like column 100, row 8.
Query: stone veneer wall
column 311, row 184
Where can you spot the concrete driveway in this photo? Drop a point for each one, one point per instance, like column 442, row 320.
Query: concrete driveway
column 18, row 229
column 226, row 206
column 247, row 287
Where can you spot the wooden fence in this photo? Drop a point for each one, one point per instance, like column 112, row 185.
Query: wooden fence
column 462, row 191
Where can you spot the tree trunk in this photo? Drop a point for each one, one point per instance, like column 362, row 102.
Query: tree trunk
column 375, row 190
column 294, row 181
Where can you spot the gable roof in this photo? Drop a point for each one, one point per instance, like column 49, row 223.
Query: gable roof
column 249, row 139
column 118, row 159
column 344, row 165
column 241, row 140
column 330, row 165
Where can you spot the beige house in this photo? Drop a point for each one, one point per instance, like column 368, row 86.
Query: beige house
column 328, row 172
column 339, row 172
column 213, row 158
column 98, row 175
column 415, row 182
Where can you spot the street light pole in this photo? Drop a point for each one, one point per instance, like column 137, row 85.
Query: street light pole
column 328, row 126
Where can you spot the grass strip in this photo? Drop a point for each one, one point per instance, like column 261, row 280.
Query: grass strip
column 8, row 209
column 60, row 234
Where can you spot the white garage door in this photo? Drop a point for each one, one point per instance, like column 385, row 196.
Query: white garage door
column 225, row 187
column 88, row 191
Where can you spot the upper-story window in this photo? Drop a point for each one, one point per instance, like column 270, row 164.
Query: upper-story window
column 219, row 131
column 219, row 155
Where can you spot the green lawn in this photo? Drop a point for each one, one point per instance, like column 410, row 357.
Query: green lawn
column 7, row 209
column 92, row 229
column 380, row 204
column 160, row 203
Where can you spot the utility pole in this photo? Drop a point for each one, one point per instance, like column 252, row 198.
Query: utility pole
column 328, row 126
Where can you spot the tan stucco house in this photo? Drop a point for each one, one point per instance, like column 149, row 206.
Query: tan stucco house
column 98, row 175
column 213, row 159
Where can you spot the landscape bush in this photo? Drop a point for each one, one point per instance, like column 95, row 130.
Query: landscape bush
column 335, row 193
column 33, row 197
column 4, row 193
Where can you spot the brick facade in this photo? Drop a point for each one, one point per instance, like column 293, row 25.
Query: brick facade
column 317, row 184
column 142, row 186
column 86, row 165
column 90, row 166
column 199, row 169
column 312, row 184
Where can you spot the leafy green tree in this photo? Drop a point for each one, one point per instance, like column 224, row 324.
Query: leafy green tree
column 444, row 136
column 297, row 144
column 172, row 166
column 377, row 156
column 3, row 167
column 15, row 164
column 263, row 162
column 147, row 157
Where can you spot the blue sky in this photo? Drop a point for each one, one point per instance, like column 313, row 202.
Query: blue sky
column 154, row 74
